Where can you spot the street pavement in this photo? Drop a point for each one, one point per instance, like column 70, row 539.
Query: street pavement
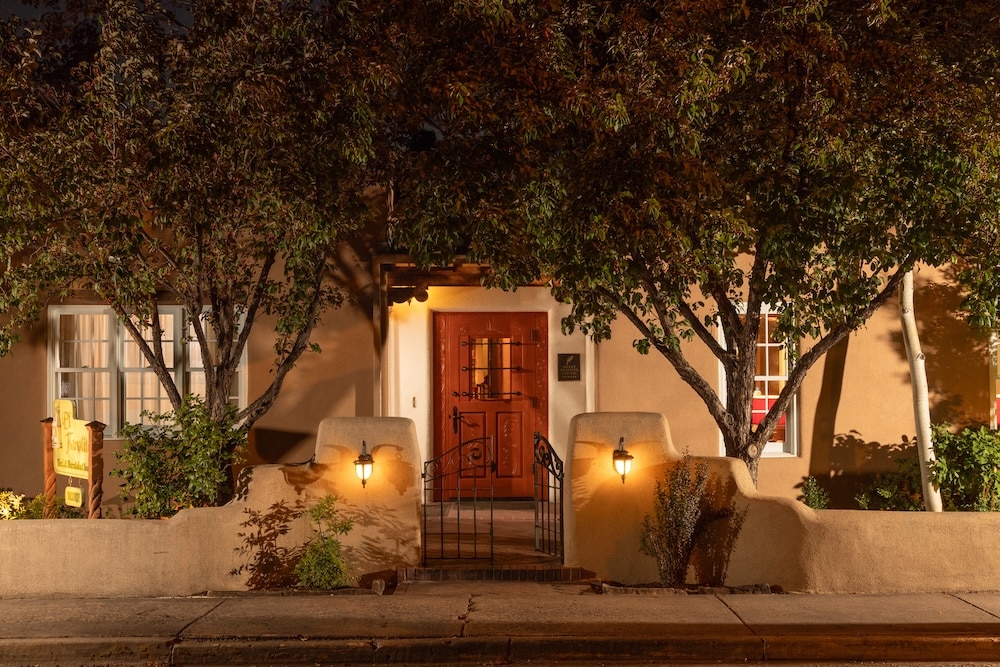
column 472, row 623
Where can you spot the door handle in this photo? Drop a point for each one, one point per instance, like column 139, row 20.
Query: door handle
column 455, row 418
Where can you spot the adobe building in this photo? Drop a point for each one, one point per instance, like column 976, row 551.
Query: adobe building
column 460, row 360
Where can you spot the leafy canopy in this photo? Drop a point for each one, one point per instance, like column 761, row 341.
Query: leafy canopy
column 690, row 165
column 211, row 154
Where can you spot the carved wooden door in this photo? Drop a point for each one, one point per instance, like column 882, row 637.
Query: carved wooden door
column 491, row 380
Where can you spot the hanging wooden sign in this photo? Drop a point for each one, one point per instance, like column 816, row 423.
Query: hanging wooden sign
column 70, row 441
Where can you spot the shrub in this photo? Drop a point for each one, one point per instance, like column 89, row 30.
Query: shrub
column 319, row 563
column 14, row 506
column 178, row 460
column 813, row 495
column 11, row 505
column 895, row 490
column 682, row 510
column 967, row 468
column 322, row 563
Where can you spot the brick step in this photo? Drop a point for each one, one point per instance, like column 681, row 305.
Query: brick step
column 540, row 573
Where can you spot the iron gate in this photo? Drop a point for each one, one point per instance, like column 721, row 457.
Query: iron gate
column 458, row 503
column 548, row 469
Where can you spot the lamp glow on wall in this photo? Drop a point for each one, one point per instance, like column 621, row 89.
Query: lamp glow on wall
column 363, row 464
column 622, row 459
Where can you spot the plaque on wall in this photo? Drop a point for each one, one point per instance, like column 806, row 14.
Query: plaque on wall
column 569, row 367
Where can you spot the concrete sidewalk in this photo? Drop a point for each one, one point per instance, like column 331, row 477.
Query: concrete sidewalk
column 486, row 622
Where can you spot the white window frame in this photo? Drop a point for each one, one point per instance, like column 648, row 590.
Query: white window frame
column 789, row 447
column 994, row 348
column 118, row 337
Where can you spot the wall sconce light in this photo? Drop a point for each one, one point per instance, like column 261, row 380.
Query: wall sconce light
column 622, row 459
column 363, row 464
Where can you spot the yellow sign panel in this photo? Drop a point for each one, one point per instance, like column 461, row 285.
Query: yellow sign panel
column 70, row 441
column 73, row 496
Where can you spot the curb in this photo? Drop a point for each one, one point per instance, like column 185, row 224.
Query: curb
column 517, row 650
column 88, row 650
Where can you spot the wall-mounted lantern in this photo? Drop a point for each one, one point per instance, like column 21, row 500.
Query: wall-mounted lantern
column 622, row 459
column 363, row 464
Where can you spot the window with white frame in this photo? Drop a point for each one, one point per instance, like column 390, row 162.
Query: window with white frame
column 770, row 378
column 94, row 362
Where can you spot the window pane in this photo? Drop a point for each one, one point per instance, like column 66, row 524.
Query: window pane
column 196, row 383
column 84, row 341
column 133, row 357
column 771, row 375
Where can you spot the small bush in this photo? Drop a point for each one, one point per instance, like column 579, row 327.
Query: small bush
column 319, row 563
column 178, row 460
column 15, row 506
column 813, row 495
column 322, row 564
column 11, row 505
column 682, row 510
column 967, row 468
column 898, row 490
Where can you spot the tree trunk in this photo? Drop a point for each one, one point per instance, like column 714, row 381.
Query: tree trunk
column 918, row 381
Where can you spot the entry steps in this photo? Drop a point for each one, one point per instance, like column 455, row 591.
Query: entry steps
column 539, row 573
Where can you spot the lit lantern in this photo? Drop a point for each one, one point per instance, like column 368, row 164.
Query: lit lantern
column 363, row 464
column 622, row 459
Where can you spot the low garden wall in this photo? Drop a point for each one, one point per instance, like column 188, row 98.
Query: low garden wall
column 782, row 542
column 198, row 549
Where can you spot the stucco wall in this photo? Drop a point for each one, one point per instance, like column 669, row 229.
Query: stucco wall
column 336, row 382
column 855, row 405
column 782, row 542
column 22, row 408
column 197, row 549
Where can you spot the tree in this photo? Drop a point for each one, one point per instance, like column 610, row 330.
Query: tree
column 921, row 405
column 692, row 165
column 207, row 154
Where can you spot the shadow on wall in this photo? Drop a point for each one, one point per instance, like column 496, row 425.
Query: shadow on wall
column 714, row 548
column 386, row 511
column 957, row 358
column 854, row 462
column 385, row 537
column 957, row 370
column 272, row 446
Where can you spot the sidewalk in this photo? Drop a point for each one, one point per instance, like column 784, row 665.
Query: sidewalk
column 487, row 622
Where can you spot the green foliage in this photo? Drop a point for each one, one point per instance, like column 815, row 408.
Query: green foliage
column 14, row 506
column 11, row 505
column 967, row 468
column 813, row 495
column 319, row 563
column 682, row 510
column 208, row 154
column 899, row 489
column 760, row 156
column 322, row 563
column 179, row 459
column 35, row 509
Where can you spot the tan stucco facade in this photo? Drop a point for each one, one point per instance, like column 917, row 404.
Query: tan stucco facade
column 200, row 549
column 854, row 408
column 782, row 542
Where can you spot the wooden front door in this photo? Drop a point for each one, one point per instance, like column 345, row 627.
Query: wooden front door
column 491, row 380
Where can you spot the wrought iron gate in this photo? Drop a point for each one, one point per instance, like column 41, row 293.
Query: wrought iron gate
column 548, row 469
column 458, row 503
